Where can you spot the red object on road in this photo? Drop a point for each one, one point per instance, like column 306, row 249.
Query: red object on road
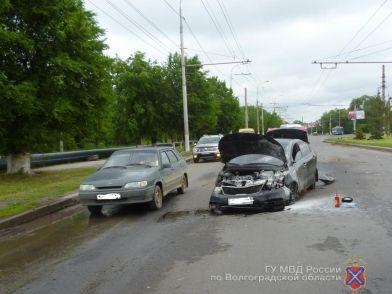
column 337, row 200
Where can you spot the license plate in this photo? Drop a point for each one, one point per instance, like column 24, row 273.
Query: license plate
column 110, row 196
column 240, row 201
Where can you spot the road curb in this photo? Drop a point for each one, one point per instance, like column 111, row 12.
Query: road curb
column 46, row 209
column 378, row 148
column 41, row 211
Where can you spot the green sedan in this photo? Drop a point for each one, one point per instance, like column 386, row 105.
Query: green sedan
column 135, row 175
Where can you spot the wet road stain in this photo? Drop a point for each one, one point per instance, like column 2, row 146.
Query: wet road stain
column 181, row 214
column 21, row 252
column 330, row 243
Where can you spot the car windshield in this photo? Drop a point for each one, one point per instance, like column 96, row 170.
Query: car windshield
column 134, row 157
column 255, row 159
column 208, row 140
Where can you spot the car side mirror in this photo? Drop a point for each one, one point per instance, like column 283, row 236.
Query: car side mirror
column 195, row 143
column 166, row 165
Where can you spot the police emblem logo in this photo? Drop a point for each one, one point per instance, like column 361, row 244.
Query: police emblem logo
column 355, row 275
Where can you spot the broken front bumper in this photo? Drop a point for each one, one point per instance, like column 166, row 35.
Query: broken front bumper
column 262, row 200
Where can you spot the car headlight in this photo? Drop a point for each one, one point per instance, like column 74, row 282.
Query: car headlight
column 215, row 148
column 194, row 150
column 218, row 189
column 86, row 187
column 141, row 184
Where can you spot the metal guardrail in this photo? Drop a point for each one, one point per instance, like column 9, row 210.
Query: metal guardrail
column 46, row 159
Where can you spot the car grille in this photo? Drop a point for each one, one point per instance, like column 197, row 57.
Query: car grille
column 241, row 190
column 109, row 188
column 201, row 149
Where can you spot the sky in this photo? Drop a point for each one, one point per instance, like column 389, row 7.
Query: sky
column 281, row 38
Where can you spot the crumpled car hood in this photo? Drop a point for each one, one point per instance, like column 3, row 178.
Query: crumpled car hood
column 234, row 145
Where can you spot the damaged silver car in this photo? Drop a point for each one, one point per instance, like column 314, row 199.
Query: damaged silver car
column 254, row 176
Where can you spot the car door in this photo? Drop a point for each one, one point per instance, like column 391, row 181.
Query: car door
column 312, row 164
column 300, row 166
column 307, row 162
column 176, row 166
column 167, row 173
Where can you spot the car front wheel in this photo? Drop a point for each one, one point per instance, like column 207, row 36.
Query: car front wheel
column 156, row 202
column 181, row 189
column 293, row 192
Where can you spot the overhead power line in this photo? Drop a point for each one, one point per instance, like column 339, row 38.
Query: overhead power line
column 151, row 22
column 217, row 26
column 363, row 26
column 231, row 27
column 318, row 85
column 126, row 28
column 372, row 53
column 140, row 27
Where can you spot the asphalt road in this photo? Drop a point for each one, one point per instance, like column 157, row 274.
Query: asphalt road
column 184, row 249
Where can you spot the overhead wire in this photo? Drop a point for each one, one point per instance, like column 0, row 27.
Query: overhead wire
column 151, row 23
column 217, row 26
column 318, row 85
column 126, row 28
column 140, row 27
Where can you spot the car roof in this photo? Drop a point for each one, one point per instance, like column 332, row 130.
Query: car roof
column 156, row 148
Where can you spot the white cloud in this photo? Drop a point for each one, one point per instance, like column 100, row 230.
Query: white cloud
column 281, row 38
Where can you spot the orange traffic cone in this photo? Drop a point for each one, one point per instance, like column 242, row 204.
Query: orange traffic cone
column 337, row 200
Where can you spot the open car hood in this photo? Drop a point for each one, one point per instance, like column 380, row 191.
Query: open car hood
column 234, row 145
column 288, row 134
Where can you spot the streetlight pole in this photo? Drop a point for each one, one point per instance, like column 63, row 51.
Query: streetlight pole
column 246, row 109
column 262, row 108
column 184, row 90
column 257, row 111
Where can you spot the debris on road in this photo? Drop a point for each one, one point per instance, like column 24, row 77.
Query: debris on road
column 336, row 200
column 326, row 179
column 349, row 205
column 347, row 199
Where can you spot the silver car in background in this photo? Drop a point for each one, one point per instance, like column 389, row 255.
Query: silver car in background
column 207, row 148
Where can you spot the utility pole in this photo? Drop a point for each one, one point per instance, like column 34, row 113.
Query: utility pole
column 355, row 119
column 262, row 119
column 383, row 83
column 246, row 109
column 257, row 112
column 184, row 92
column 330, row 123
column 339, row 117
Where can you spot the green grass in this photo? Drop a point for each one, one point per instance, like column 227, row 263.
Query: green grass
column 19, row 193
column 385, row 142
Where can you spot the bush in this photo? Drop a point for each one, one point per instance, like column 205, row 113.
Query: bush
column 359, row 133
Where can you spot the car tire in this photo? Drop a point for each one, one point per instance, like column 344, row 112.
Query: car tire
column 279, row 207
column 313, row 185
column 95, row 209
column 293, row 192
column 195, row 160
column 216, row 209
column 184, row 185
column 157, row 198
